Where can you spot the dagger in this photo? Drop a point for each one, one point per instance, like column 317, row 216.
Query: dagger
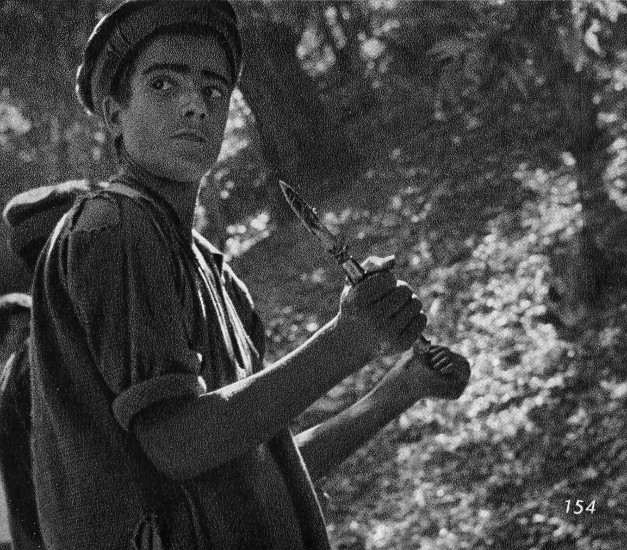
column 334, row 245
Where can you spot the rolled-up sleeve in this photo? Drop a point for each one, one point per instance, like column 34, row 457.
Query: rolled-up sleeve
column 167, row 386
column 123, row 289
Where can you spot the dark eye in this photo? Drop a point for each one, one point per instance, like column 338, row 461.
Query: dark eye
column 161, row 84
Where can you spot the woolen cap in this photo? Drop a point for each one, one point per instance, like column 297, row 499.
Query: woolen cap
column 114, row 39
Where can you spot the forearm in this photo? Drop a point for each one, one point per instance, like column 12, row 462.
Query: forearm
column 225, row 423
column 328, row 444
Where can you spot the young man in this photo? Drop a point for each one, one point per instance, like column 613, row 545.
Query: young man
column 155, row 424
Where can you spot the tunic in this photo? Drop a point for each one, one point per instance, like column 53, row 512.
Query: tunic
column 129, row 314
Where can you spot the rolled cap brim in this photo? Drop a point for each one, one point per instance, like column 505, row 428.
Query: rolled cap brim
column 118, row 34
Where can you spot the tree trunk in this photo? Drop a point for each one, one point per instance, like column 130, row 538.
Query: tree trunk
column 300, row 141
column 575, row 89
column 352, row 22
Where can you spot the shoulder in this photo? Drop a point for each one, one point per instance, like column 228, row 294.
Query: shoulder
column 110, row 219
column 94, row 213
column 106, row 210
column 106, row 232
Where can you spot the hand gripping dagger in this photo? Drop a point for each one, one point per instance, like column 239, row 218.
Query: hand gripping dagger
column 334, row 245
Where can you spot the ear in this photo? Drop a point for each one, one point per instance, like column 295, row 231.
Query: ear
column 112, row 115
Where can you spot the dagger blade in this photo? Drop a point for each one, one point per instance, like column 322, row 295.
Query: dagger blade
column 331, row 243
column 310, row 219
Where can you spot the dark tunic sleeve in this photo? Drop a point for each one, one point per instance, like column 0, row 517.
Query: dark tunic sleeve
column 122, row 283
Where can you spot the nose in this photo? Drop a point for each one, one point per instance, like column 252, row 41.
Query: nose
column 193, row 105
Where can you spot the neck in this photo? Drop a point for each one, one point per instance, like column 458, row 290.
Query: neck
column 181, row 196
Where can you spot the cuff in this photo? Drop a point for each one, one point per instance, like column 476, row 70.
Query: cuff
column 142, row 395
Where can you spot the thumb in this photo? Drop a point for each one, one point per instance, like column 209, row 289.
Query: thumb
column 374, row 264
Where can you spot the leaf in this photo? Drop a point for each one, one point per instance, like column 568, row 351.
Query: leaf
column 611, row 9
column 572, row 47
column 474, row 65
column 591, row 39
column 449, row 84
column 453, row 47
column 518, row 79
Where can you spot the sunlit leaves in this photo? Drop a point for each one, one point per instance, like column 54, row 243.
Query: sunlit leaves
column 12, row 120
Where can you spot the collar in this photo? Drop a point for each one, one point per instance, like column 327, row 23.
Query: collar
column 218, row 257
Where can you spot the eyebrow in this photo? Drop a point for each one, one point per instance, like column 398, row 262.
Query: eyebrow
column 181, row 68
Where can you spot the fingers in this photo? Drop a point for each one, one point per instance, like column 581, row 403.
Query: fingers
column 440, row 359
column 399, row 315
column 407, row 325
column 397, row 299
column 384, row 310
column 413, row 329
column 447, row 373
column 397, row 340
column 372, row 264
column 460, row 367
column 369, row 291
column 393, row 301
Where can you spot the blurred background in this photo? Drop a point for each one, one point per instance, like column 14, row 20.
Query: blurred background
column 483, row 143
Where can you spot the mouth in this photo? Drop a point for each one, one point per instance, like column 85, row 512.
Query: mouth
column 193, row 136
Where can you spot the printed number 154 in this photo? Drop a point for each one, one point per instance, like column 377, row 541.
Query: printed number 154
column 578, row 507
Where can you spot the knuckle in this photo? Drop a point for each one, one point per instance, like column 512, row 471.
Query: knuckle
column 384, row 279
column 417, row 312
column 403, row 293
column 400, row 345
column 412, row 332
column 404, row 285
column 378, row 263
column 369, row 263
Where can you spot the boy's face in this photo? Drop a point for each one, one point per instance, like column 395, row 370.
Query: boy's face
column 174, row 122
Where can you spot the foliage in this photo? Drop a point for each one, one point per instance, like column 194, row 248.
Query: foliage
column 44, row 41
column 466, row 176
column 478, row 206
column 543, row 419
